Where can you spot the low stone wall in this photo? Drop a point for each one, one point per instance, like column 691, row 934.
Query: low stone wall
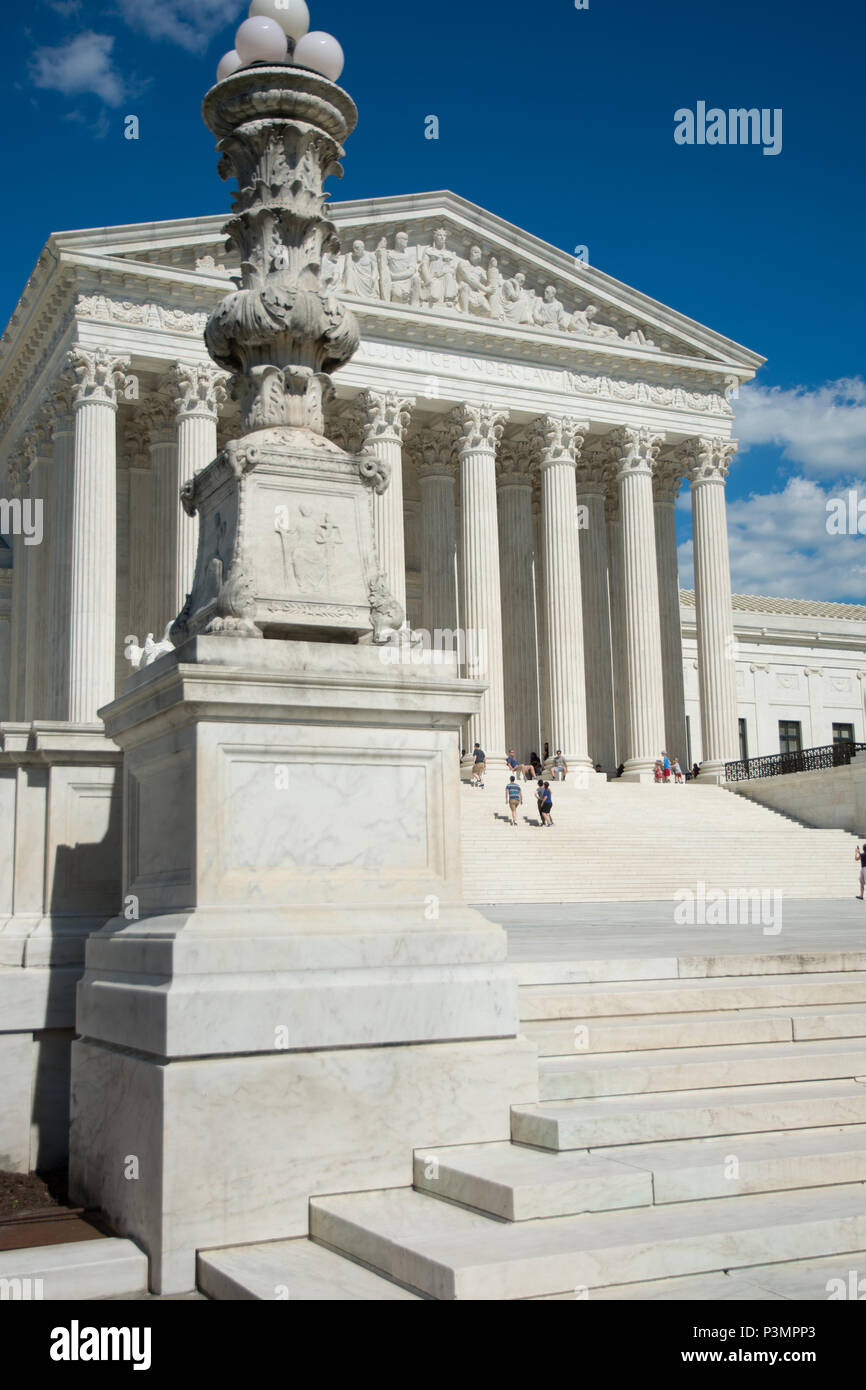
column 60, row 879
column 832, row 799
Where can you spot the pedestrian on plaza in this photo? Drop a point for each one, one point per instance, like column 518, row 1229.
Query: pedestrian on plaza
column 559, row 767
column 513, row 798
column 539, row 793
column 860, row 854
column 479, row 765
column 678, row 772
column 666, row 767
column 545, row 805
column 658, row 774
column 695, row 770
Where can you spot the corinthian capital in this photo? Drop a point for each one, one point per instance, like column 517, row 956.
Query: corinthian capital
column 594, row 468
column 634, row 450
column 479, row 427
column 431, row 450
column 384, row 416
column 200, row 389
column 707, row 460
column 667, row 478
column 514, row 462
column 558, row 438
column 99, row 375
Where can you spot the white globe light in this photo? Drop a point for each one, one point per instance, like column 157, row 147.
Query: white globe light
column 260, row 40
column 321, row 52
column 228, row 63
column 292, row 16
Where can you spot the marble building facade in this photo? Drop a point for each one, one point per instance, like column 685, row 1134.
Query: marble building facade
column 538, row 420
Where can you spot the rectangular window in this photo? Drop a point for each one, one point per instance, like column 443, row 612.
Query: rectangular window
column 790, row 740
column 744, row 740
column 843, row 733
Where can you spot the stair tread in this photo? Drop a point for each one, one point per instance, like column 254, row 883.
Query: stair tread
column 298, row 1269
column 684, row 1056
column 709, row 1097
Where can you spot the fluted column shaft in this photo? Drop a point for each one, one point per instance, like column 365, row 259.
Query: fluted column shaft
column 520, row 653
column 596, row 622
column 438, row 549
column 544, row 735
column 560, row 440
column 709, row 460
column 199, row 392
column 667, row 482
column 384, row 418
column 480, row 429
column 36, row 702
column 617, row 625
column 61, row 549
column 645, row 736
column 93, row 555
column 18, row 625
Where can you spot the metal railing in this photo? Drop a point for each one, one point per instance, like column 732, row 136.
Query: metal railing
column 806, row 760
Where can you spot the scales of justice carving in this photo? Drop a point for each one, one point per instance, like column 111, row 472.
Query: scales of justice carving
column 286, row 538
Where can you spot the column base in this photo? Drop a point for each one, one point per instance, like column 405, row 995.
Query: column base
column 713, row 772
column 639, row 770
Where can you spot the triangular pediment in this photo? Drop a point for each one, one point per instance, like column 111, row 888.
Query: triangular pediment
column 438, row 288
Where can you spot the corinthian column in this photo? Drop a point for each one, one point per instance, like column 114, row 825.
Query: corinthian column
column 635, row 453
column 93, row 559
column 384, row 417
column 601, row 738
column 63, row 427
column 517, row 567
column 708, row 461
column 617, row 615
column 479, row 431
column 19, row 483
column 666, row 485
column 559, row 442
column 200, row 390
column 437, row 474
column 159, row 411
column 36, row 697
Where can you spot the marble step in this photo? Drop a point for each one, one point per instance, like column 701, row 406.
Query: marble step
column 662, row 1115
column 690, row 1069
column 516, row 1183
column 623, row 968
column 694, row 1169
column 293, row 1270
column 565, row 1037
column 580, row 1002
column 79, row 1269
column 448, row 1252
column 798, row 1280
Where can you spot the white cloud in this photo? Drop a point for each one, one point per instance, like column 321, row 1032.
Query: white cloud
column 192, row 27
column 823, row 430
column 81, row 65
column 780, row 546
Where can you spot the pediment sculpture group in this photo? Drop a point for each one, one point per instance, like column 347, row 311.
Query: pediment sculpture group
column 435, row 277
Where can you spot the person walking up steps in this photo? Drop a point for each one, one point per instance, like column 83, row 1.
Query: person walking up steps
column 861, row 855
column 545, row 805
column 513, row 798
column 479, row 763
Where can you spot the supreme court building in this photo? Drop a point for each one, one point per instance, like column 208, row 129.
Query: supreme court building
column 539, row 420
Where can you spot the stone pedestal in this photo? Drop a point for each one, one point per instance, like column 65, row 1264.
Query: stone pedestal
column 305, row 997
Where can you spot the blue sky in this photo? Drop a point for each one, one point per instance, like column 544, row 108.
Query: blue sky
column 560, row 120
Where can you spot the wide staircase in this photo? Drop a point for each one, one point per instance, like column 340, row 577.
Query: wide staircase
column 639, row 843
column 700, row 1134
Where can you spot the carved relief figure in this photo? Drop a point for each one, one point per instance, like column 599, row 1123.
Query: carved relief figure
column 361, row 272
column 519, row 302
column 472, row 287
column 439, row 272
column 550, row 311
column 398, row 271
column 495, row 299
column 308, row 548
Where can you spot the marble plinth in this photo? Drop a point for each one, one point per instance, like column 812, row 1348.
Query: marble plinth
column 305, row 996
